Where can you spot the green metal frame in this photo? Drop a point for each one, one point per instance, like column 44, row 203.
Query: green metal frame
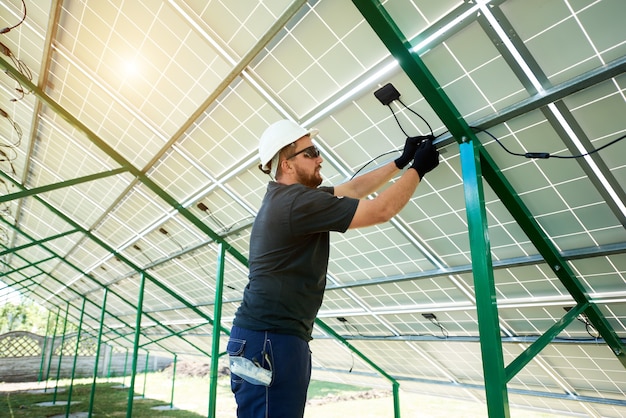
column 56, row 385
column 54, row 334
column 43, row 348
column 217, row 318
column 395, row 384
column 92, row 394
column 75, row 360
column 484, row 283
column 131, row 389
column 126, row 166
column 481, row 165
column 44, row 189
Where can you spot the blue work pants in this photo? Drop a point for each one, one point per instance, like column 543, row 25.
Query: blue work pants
column 289, row 359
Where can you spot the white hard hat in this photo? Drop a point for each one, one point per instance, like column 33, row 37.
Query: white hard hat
column 278, row 135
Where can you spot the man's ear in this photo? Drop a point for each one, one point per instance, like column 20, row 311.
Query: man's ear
column 286, row 166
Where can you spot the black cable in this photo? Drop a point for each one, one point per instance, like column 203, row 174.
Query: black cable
column 418, row 115
column 546, row 155
column 372, row 160
column 7, row 29
column 21, row 67
column 397, row 121
column 16, row 128
column 444, row 331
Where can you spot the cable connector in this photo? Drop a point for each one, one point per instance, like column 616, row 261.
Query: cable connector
column 542, row 155
column 5, row 49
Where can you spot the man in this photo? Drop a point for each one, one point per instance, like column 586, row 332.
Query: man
column 289, row 249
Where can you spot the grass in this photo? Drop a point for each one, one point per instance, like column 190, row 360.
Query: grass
column 192, row 393
column 191, row 396
column 109, row 402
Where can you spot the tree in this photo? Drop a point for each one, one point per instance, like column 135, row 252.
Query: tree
column 25, row 316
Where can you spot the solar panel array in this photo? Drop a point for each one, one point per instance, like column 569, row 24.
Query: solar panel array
column 133, row 112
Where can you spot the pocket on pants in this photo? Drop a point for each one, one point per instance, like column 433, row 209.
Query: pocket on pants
column 235, row 348
column 252, row 371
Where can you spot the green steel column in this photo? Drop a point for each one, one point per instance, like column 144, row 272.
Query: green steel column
column 484, row 284
column 95, row 366
column 217, row 319
column 109, row 365
column 131, row 389
column 396, row 399
column 56, row 323
column 56, row 386
column 78, row 334
column 125, row 365
column 43, row 349
column 173, row 382
column 328, row 329
column 145, row 374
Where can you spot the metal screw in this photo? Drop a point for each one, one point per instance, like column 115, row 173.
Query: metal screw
column 557, row 268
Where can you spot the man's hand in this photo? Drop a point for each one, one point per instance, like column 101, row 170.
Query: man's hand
column 410, row 147
column 426, row 157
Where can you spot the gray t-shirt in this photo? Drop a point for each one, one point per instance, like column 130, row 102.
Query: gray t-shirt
column 289, row 249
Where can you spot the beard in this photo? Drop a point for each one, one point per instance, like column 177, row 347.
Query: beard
column 311, row 180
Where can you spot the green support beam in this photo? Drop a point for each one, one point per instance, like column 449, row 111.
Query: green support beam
column 142, row 177
column 64, row 260
column 75, row 361
column 131, row 389
column 43, row 348
column 395, row 384
column 54, row 335
column 551, row 255
column 217, row 319
column 119, row 159
column 56, row 386
column 395, row 41
column 534, row 349
column 484, row 283
column 38, row 242
column 92, row 394
column 73, row 182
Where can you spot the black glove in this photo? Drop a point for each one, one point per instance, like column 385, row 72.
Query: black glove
column 410, row 146
column 426, row 158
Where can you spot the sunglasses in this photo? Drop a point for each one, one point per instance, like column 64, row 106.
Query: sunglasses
column 309, row 152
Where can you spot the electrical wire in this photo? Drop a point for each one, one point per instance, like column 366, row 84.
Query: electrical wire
column 546, row 155
column 418, row 115
column 7, row 29
column 21, row 67
column 436, row 322
column 16, row 128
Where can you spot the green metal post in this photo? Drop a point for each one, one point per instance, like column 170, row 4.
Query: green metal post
column 173, row 382
column 95, row 366
column 396, row 399
column 78, row 334
column 125, row 365
column 217, row 318
column 530, row 352
column 484, row 283
column 145, row 375
column 131, row 389
column 326, row 328
column 43, row 349
column 109, row 365
column 56, row 323
column 56, row 386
